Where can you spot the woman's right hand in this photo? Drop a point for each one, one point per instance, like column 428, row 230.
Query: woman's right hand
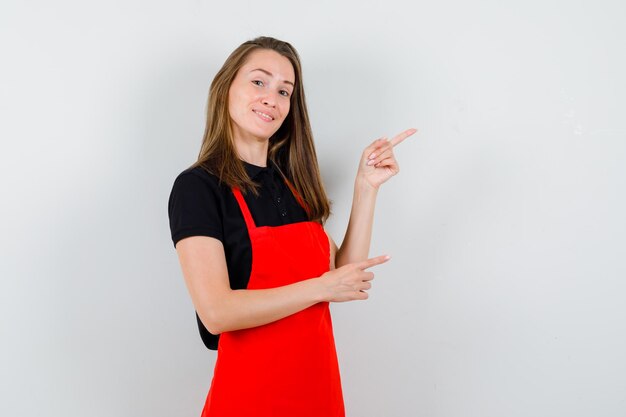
column 351, row 281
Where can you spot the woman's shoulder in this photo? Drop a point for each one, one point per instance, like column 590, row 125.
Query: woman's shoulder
column 197, row 186
column 198, row 178
column 197, row 171
column 195, row 205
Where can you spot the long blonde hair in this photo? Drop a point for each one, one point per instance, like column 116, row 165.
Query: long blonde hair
column 291, row 148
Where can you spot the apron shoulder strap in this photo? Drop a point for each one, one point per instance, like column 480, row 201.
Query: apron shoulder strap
column 293, row 190
column 298, row 198
column 244, row 208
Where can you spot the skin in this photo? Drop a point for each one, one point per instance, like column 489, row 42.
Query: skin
column 202, row 258
column 256, row 90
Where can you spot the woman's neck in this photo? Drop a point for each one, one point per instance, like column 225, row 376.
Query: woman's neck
column 252, row 151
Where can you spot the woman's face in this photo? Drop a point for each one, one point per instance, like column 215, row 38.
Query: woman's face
column 260, row 95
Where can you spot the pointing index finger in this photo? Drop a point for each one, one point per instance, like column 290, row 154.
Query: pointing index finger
column 368, row 263
column 401, row 136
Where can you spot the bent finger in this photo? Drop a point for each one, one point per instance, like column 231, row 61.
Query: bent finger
column 380, row 155
column 389, row 163
column 365, row 276
column 362, row 295
column 381, row 141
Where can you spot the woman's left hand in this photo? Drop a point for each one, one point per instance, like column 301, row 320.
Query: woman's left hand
column 378, row 163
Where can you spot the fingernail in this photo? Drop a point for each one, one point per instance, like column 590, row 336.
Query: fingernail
column 370, row 162
column 372, row 155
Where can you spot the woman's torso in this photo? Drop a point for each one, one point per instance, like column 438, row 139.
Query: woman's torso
column 200, row 205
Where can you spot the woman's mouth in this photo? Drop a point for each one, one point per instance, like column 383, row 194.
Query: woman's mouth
column 264, row 116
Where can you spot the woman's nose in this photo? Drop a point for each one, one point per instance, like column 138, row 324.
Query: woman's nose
column 269, row 99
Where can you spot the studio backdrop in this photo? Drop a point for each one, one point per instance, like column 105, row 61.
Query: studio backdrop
column 505, row 292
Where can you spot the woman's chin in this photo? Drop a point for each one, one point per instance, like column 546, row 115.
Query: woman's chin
column 264, row 135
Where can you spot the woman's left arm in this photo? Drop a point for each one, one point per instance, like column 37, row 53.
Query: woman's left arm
column 376, row 166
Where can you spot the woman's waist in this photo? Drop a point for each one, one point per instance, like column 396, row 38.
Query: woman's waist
column 312, row 322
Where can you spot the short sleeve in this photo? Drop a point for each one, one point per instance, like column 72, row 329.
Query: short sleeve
column 194, row 208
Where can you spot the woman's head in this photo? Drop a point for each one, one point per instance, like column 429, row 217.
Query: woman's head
column 259, row 96
column 291, row 145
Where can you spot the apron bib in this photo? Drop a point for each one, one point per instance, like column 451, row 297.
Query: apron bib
column 287, row 368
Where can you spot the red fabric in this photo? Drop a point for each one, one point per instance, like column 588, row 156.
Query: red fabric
column 287, row 368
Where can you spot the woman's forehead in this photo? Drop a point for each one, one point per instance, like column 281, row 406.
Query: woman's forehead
column 269, row 61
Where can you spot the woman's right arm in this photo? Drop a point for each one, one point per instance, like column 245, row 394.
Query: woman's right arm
column 221, row 308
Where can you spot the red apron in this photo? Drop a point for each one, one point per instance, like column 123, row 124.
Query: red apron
column 287, row 368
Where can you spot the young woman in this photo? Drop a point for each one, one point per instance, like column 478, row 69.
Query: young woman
column 247, row 223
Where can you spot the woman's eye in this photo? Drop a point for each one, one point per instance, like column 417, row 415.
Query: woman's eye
column 286, row 93
column 258, row 81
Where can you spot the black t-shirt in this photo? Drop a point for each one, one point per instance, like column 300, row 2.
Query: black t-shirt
column 200, row 206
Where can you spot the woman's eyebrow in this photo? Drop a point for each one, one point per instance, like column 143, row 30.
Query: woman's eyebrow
column 270, row 74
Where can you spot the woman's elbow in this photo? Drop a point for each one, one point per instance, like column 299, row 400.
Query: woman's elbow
column 212, row 321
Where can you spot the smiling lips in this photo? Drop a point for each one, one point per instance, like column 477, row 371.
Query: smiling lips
column 264, row 116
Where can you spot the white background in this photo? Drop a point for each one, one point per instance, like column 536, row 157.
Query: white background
column 505, row 294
